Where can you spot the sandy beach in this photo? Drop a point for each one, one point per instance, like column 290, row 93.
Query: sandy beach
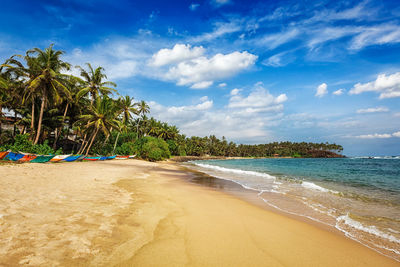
column 137, row 213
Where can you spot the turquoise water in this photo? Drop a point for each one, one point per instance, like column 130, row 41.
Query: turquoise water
column 358, row 196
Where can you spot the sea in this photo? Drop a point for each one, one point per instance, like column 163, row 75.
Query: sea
column 359, row 196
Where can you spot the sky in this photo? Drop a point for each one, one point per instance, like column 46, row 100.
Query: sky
column 252, row 71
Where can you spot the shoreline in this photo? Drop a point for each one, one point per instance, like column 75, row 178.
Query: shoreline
column 140, row 213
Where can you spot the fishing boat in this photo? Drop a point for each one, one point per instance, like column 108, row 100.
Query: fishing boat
column 103, row 158
column 59, row 158
column 121, row 157
column 3, row 154
column 42, row 159
column 91, row 158
column 110, row 157
column 27, row 158
column 13, row 156
column 131, row 156
column 72, row 158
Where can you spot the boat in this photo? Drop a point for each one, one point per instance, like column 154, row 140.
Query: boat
column 121, row 157
column 110, row 157
column 91, row 158
column 13, row 156
column 59, row 158
column 27, row 158
column 131, row 156
column 72, row 158
column 3, row 154
column 42, row 159
column 103, row 158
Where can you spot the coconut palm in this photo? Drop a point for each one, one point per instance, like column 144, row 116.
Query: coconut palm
column 46, row 79
column 142, row 109
column 101, row 116
column 94, row 83
column 126, row 107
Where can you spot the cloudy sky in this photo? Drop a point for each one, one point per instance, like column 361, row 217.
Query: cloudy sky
column 252, row 71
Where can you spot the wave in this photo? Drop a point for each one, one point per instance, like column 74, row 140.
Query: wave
column 222, row 169
column 368, row 229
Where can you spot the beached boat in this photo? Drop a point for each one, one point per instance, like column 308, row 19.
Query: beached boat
column 91, row 158
column 42, row 159
column 27, row 158
column 131, row 156
column 59, row 158
column 121, row 157
column 3, row 154
column 110, row 157
column 13, row 156
column 73, row 158
column 103, row 158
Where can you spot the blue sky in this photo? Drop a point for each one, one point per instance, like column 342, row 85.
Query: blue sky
column 252, row 71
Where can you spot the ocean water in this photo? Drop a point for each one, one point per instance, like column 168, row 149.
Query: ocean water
column 358, row 196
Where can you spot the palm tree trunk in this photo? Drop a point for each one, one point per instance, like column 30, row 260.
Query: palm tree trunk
column 39, row 128
column 116, row 141
column 33, row 118
column 91, row 141
column 83, row 144
column 59, row 130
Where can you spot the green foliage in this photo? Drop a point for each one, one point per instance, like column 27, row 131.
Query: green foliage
column 173, row 148
column 127, row 148
column 23, row 144
column 152, row 149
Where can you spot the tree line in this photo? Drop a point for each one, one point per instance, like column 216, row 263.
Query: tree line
column 85, row 114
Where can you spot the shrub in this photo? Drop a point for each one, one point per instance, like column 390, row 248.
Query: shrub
column 127, row 148
column 23, row 144
column 152, row 149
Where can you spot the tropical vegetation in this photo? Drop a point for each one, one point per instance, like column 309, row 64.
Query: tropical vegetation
column 53, row 111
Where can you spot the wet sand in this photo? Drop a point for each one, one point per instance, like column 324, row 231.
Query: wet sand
column 136, row 213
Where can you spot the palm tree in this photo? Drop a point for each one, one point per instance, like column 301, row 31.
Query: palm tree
column 94, row 83
column 126, row 107
column 46, row 79
column 142, row 109
column 101, row 116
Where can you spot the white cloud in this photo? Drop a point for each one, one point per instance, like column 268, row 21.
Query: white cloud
column 221, row 85
column 202, row 85
column 376, row 35
column 272, row 41
column 386, row 86
column 321, row 90
column 338, row 92
column 220, row 29
column 259, row 100
column 373, row 136
column 397, row 114
column 194, row 6
column 201, row 72
column 179, row 53
column 233, row 121
column 373, row 110
column 396, row 134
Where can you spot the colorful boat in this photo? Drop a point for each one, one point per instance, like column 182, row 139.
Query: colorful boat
column 3, row 154
column 72, row 158
column 103, row 158
column 59, row 158
column 91, row 158
column 121, row 157
column 13, row 156
column 42, row 159
column 131, row 156
column 80, row 158
column 27, row 158
column 110, row 157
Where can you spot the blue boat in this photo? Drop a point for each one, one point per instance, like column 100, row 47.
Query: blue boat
column 103, row 158
column 72, row 158
column 13, row 156
column 111, row 157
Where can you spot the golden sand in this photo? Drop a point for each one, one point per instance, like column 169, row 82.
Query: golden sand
column 136, row 213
